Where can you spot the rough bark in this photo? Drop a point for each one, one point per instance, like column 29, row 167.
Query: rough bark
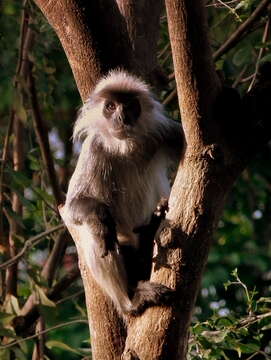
column 213, row 119
column 197, row 196
column 143, row 36
column 93, row 35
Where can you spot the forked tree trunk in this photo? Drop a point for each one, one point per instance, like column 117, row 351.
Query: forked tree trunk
column 211, row 163
column 96, row 39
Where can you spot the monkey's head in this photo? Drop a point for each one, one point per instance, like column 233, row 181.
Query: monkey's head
column 120, row 107
column 122, row 110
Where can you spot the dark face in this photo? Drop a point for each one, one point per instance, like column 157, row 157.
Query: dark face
column 122, row 110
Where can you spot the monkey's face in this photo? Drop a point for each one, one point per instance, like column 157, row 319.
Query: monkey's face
column 121, row 111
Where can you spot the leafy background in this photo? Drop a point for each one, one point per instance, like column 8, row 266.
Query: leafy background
column 228, row 323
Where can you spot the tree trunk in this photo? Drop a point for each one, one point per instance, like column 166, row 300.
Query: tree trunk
column 198, row 194
column 142, row 18
column 205, row 177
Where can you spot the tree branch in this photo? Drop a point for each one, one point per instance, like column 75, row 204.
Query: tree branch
column 31, row 314
column 235, row 37
column 84, row 25
column 18, row 149
column 42, row 137
column 16, row 342
column 29, row 244
column 143, row 35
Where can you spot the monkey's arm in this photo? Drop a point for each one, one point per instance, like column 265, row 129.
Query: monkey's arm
column 97, row 216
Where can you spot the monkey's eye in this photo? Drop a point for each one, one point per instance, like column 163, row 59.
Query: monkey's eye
column 110, row 106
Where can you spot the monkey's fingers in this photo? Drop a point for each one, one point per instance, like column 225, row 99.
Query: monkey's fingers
column 162, row 208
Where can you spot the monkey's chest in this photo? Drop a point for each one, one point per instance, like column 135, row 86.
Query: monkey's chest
column 135, row 197
column 131, row 190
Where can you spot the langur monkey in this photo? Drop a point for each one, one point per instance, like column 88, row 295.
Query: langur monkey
column 120, row 176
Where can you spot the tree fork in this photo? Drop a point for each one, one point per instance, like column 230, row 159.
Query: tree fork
column 198, row 192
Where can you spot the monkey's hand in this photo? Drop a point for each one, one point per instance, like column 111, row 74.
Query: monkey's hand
column 162, row 208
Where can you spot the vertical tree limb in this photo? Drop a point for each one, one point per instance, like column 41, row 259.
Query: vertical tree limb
column 18, row 152
column 93, row 35
column 186, row 234
column 43, row 140
column 143, row 35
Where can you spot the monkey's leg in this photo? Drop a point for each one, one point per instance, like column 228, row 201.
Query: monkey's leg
column 146, row 234
column 108, row 271
column 148, row 293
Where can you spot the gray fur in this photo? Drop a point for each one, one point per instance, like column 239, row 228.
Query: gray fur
column 117, row 184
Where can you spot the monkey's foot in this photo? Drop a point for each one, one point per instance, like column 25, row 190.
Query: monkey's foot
column 150, row 294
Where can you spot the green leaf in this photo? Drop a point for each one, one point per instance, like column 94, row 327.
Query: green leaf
column 20, row 178
column 12, row 305
column 266, row 58
column 242, row 56
column 44, row 300
column 248, row 348
column 227, row 284
column 19, row 354
column 8, row 333
column 266, row 327
column 49, row 70
column 43, row 194
column 215, row 336
column 58, row 344
column 13, row 215
column 19, row 108
column 6, row 318
column 5, row 354
column 264, row 300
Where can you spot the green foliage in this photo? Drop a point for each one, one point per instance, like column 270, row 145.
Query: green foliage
column 235, row 336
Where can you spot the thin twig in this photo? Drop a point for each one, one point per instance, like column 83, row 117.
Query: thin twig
column 78, row 293
column 261, row 52
column 3, row 163
column 42, row 137
column 254, row 318
column 18, row 150
column 3, row 347
column 38, row 351
column 170, row 97
column 257, row 353
column 239, row 77
column 164, row 50
column 29, row 244
column 219, row 5
column 232, row 11
column 235, row 37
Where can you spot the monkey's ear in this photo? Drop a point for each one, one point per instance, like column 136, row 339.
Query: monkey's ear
column 86, row 116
